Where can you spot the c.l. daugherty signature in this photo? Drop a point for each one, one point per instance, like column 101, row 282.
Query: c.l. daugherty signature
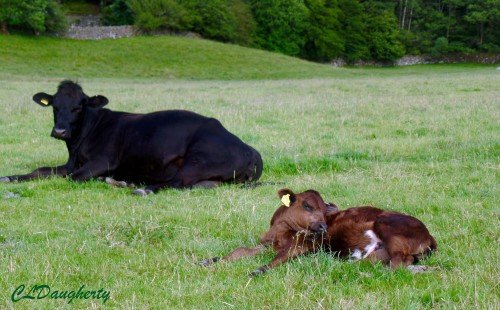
column 42, row 291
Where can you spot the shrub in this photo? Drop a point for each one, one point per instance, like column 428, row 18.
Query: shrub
column 213, row 20
column 440, row 47
column 151, row 15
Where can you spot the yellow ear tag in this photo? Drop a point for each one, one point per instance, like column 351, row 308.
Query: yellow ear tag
column 285, row 199
column 44, row 101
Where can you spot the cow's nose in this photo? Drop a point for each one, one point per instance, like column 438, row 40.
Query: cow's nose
column 60, row 132
column 322, row 228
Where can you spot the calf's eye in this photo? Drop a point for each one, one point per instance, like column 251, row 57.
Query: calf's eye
column 307, row 206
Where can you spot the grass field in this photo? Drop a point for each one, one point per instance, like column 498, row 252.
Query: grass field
column 424, row 140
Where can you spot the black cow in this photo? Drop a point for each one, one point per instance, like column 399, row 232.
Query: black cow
column 174, row 148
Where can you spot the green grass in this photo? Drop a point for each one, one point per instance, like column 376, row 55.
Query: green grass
column 424, row 140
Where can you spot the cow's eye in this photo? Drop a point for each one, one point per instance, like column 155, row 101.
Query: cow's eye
column 76, row 110
column 307, row 206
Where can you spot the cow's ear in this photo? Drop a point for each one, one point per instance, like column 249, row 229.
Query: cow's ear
column 43, row 99
column 97, row 101
column 287, row 196
column 331, row 208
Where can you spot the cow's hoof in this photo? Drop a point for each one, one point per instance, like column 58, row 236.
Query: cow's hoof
column 142, row 192
column 207, row 262
column 115, row 183
column 11, row 195
column 4, row 180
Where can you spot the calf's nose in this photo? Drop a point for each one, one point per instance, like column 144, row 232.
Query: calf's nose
column 319, row 228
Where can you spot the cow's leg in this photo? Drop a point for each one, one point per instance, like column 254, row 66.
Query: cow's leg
column 42, row 172
column 150, row 189
column 207, row 184
column 91, row 170
column 191, row 176
column 207, row 168
column 236, row 254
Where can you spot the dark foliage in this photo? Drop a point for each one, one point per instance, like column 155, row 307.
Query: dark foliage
column 319, row 30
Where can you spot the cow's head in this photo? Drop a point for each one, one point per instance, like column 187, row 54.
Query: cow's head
column 306, row 211
column 69, row 105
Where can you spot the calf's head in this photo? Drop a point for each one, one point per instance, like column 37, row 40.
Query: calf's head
column 306, row 211
column 68, row 104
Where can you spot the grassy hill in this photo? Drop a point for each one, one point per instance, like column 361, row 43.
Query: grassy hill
column 150, row 57
column 423, row 140
column 166, row 58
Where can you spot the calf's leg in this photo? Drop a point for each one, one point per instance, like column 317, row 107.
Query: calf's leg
column 291, row 251
column 236, row 254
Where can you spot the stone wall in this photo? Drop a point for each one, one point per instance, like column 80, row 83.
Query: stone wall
column 478, row 58
column 89, row 27
column 99, row 32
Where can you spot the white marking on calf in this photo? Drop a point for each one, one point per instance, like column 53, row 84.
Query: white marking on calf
column 357, row 254
column 375, row 241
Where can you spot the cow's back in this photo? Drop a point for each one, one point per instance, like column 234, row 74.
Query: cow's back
column 152, row 147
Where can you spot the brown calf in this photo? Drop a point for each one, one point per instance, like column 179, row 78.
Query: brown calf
column 305, row 223
column 370, row 233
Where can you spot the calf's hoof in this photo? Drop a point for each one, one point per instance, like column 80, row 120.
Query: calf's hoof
column 207, row 262
column 4, row 180
column 257, row 272
column 420, row 268
column 142, row 192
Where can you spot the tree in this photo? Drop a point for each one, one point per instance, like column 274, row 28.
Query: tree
column 35, row 15
column 245, row 24
column 482, row 13
column 9, row 14
column 281, row 25
column 324, row 41
column 382, row 32
column 353, row 31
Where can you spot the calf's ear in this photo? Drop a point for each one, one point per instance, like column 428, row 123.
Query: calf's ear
column 43, row 99
column 331, row 208
column 287, row 196
column 97, row 101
